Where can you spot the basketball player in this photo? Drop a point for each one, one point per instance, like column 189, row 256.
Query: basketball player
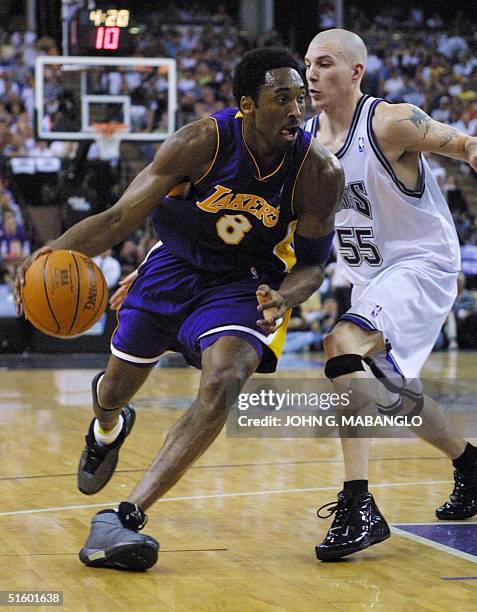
column 258, row 182
column 395, row 236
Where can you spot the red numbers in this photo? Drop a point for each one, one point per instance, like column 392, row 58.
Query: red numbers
column 107, row 38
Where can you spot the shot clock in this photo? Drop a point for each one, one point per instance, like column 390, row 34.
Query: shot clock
column 101, row 32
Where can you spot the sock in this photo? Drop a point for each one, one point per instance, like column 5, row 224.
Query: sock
column 467, row 462
column 353, row 488
column 107, row 437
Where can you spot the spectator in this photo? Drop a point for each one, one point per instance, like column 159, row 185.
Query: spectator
column 411, row 92
column 451, row 44
column 110, row 267
column 394, row 87
column 14, row 243
column 327, row 17
column 327, row 317
column 321, row 316
column 437, row 169
column 455, row 198
column 41, row 149
column 465, row 226
column 465, row 316
column 468, row 254
column 443, row 110
column 7, row 202
column 463, row 307
column 128, row 257
column 299, row 335
column 16, row 147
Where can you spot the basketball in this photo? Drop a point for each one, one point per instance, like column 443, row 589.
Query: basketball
column 64, row 293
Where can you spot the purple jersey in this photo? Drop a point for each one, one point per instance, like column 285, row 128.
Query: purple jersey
column 231, row 234
column 234, row 219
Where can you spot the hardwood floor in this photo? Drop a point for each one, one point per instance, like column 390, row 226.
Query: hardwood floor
column 238, row 531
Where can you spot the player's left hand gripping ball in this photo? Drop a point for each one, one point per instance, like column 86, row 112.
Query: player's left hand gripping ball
column 272, row 306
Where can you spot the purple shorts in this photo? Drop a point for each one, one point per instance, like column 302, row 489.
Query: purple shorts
column 174, row 306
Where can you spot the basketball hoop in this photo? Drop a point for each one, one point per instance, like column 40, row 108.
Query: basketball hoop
column 108, row 136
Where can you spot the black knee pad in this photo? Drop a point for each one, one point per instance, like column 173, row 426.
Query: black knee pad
column 342, row 365
column 406, row 402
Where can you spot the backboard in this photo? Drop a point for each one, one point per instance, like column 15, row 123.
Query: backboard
column 73, row 93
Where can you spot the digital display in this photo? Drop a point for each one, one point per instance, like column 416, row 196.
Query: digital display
column 107, row 38
column 112, row 18
column 101, row 32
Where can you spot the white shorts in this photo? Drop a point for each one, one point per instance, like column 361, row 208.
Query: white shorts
column 409, row 303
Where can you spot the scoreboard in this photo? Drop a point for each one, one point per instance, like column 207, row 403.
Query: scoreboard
column 100, row 32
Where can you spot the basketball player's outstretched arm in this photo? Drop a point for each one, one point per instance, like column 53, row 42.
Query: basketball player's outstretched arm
column 319, row 190
column 185, row 156
column 405, row 127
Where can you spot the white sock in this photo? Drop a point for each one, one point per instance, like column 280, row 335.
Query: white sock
column 107, row 437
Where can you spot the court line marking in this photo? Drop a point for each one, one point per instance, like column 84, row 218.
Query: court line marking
column 222, row 495
column 457, row 523
column 230, row 465
column 432, row 544
column 63, row 554
column 458, row 577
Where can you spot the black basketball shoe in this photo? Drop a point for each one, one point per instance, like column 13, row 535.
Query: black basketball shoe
column 358, row 523
column 114, row 540
column 462, row 502
column 98, row 461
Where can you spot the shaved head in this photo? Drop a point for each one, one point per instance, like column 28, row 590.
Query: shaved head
column 335, row 63
column 346, row 43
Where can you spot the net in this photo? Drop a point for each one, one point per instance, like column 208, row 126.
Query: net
column 108, row 136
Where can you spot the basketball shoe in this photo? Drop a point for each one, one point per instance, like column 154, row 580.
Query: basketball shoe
column 358, row 523
column 98, row 461
column 114, row 540
column 462, row 502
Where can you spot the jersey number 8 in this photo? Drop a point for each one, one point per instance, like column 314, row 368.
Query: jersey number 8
column 232, row 228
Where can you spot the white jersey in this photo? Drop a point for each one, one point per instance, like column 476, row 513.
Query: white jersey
column 381, row 222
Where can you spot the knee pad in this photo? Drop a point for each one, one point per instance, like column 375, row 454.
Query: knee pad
column 392, row 397
column 343, row 364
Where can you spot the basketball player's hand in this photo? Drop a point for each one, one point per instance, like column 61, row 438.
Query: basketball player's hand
column 20, row 276
column 271, row 305
column 118, row 296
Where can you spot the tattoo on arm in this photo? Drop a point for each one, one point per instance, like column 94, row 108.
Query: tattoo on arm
column 418, row 118
column 447, row 135
column 471, row 148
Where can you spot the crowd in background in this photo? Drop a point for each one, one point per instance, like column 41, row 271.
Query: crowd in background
column 415, row 57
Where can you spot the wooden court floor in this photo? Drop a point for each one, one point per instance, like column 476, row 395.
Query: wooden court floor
column 238, row 531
